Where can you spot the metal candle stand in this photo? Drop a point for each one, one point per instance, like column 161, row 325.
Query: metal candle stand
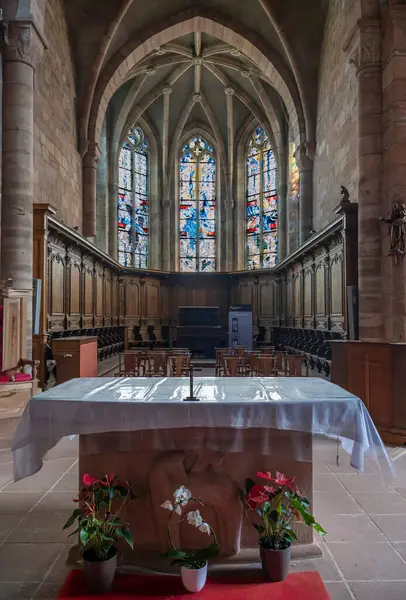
column 191, row 397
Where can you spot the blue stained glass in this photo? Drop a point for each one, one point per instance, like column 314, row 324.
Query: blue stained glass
column 208, row 265
column 124, row 201
column 125, row 158
column 188, row 264
column 133, row 213
column 207, row 210
column 124, row 222
column 262, row 203
column 197, row 209
column 124, row 179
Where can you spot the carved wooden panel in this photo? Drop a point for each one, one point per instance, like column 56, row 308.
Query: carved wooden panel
column 337, row 289
column 108, row 288
column 266, row 300
column 308, row 294
column 57, row 284
column 152, row 300
column 88, row 293
column 99, row 299
column 132, row 298
column 74, row 289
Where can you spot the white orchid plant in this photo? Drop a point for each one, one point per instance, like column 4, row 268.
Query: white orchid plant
column 189, row 559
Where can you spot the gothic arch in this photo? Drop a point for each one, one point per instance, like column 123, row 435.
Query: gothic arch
column 273, row 69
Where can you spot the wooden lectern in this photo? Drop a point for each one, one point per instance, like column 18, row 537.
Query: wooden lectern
column 375, row 372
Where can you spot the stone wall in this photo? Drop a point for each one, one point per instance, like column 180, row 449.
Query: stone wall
column 336, row 161
column 57, row 164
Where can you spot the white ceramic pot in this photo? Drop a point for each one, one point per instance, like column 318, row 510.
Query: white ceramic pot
column 194, row 579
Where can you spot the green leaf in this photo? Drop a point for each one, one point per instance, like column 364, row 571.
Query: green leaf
column 76, row 513
column 84, row 536
column 249, row 484
column 205, row 553
column 125, row 533
column 259, row 528
column 290, row 535
column 241, row 494
column 177, row 554
column 74, row 532
column 120, row 490
column 319, row 529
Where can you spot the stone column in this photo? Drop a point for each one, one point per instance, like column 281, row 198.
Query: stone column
column 394, row 164
column 102, row 191
column 89, row 189
column 305, row 165
column 229, row 203
column 282, row 203
column 367, row 61
column 22, row 49
column 165, row 260
column 113, row 241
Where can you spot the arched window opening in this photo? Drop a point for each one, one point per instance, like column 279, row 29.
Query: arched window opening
column 261, row 203
column 197, row 209
column 133, row 214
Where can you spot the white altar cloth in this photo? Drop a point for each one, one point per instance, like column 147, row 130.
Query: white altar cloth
column 100, row 405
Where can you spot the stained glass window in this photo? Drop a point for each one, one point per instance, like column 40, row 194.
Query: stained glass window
column 197, row 210
column 261, row 203
column 294, row 174
column 132, row 217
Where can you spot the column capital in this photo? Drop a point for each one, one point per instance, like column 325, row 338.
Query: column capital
column 368, row 50
column 304, row 157
column 91, row 152
column 21, row 42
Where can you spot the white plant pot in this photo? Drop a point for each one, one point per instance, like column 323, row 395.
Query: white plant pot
column 194, row 579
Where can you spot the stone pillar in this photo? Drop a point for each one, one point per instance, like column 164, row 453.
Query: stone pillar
column 367, row 61
column 89, row 190
column 102, row 206
column 166, row 226
column 22, row 49
column 229, row 203
column 282, row 203
column 113, row 241
column 305, row 165
column 394, row 163
column 167, row 232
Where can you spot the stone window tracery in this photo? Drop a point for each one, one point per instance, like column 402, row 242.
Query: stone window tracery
column 197, row 209
column 133, row 200
column 261, row 203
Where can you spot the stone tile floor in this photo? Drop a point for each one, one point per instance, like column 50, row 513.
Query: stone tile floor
column 364, row 554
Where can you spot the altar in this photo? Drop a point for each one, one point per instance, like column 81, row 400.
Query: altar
column 144, row 431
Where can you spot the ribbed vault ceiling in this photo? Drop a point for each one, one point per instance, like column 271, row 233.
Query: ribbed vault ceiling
column 200, row 72
column 290, row 31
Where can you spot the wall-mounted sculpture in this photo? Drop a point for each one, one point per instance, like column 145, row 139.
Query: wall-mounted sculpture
column 397, row 222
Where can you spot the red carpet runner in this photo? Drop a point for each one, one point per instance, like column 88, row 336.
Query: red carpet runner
column 298, row 586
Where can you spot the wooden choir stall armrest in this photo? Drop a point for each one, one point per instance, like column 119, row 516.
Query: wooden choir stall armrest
column 32, row 363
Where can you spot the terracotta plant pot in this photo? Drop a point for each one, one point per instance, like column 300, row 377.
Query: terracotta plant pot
column 194, row 580
column 275, row 563
column 99, row 575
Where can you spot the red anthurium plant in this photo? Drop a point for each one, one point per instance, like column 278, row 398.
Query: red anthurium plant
column 279, row 505
column 98, row 515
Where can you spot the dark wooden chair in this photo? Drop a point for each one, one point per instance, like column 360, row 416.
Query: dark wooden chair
column 266, row 366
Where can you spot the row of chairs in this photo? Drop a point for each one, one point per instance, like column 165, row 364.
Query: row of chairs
column 154, row 363
column 266, row 363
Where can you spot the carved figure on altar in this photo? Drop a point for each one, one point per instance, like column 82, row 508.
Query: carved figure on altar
column 203, row 474
column 397, row 223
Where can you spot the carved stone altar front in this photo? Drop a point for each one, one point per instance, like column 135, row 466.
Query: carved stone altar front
column 157, row 462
